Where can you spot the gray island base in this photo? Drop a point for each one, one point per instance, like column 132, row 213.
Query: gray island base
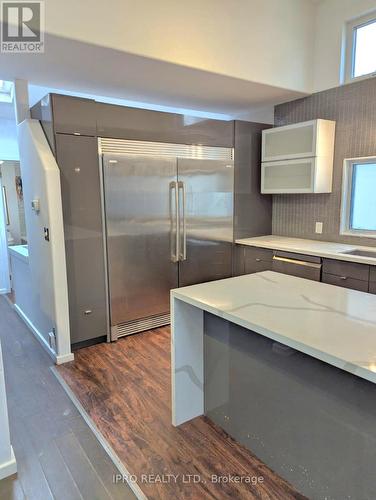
column 288, row 370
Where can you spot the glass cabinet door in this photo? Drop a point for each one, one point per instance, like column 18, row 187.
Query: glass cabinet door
column 291, row 141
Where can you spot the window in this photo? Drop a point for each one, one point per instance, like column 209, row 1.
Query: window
column 359, row 197
column 361, row 47
column 6, row 91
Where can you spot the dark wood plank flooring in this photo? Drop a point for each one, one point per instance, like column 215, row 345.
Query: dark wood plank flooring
column 125, row 388
column 58, row 456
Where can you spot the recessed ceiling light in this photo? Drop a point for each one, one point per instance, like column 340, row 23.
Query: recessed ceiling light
column 1, row 162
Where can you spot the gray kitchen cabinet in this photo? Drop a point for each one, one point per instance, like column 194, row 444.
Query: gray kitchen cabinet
column 120, row 122
column 346, row 274
column 341, row 273
column 346, row 269
column 65, row 114
column 302, row 266
column 77, row 158
column 247, row 197
column 345, row 282
column 372, row 280
column 257, row 259
column 238, row 266
column 73, row 115
column 372, row 273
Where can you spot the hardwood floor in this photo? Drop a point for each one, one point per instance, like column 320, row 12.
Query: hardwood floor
column 58, row 456
column 125, row 388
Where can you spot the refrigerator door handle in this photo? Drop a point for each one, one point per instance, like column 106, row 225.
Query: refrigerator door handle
column 183, row 254
column 174, row 221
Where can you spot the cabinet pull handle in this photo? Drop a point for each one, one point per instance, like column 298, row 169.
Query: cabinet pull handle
column 343, row 277
column 174, row 221
column 87, row 312
column 258, row 260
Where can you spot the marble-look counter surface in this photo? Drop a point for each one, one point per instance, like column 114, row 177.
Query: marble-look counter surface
column 317, row 248
column 332, row 324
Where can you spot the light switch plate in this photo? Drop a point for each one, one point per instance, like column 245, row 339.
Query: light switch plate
column 319, row 227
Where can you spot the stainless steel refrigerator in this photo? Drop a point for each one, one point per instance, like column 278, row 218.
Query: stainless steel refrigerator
column 168, row 213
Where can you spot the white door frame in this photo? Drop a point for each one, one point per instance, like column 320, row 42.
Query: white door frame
column 5, row 286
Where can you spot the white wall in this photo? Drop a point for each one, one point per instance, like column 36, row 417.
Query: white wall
column 41, row 180
column 29, row 300
column 8, row 140
column 332, row 16
column 266, row 41
column 7, row 461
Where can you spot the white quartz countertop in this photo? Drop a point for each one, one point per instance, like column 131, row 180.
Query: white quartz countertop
column 310, row 247
column 20, row 252
column 333, row 324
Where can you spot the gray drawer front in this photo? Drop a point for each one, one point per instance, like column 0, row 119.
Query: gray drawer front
column 257, row 260
column 352, row 283
column 308, row 271
column 298, row 256
column 254, row 253
column 372, row 273
column 346, row 269
column 372, row 287
column 253, row 266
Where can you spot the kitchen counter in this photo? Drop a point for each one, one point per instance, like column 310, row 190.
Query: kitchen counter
column 333, row 324
column 287, row 367
column 310, row 247
column 19, row 252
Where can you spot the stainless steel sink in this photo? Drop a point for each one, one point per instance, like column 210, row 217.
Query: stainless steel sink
column 361, row 253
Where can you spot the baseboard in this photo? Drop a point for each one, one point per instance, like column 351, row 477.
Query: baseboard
column 65, row 358
column 106, row 446
column 35, row 332
column 8, row 468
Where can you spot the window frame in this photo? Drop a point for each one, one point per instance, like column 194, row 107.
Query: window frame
column 350, row 45
column 346, row 201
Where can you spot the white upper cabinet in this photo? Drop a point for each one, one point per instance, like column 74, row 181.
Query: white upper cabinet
column 298, row 158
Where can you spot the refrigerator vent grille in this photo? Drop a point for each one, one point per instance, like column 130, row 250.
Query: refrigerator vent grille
column 140, row 325
column 165, row 149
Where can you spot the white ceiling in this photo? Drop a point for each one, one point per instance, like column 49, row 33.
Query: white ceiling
column 81, row 67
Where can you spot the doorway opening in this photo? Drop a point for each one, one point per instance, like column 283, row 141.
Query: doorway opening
column 13, row 234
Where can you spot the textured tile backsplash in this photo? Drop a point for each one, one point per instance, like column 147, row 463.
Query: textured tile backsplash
column 353, row 107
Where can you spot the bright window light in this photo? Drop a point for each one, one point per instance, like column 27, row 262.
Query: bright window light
column 360, row 45
column 358, row 197
column 364, row 50
column 363, row 199
column 6, row 91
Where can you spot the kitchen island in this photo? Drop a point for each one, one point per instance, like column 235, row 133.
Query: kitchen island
column 287, row 367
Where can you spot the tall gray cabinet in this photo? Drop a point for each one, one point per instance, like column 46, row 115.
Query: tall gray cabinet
column 78, row 161
column 72, row 126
